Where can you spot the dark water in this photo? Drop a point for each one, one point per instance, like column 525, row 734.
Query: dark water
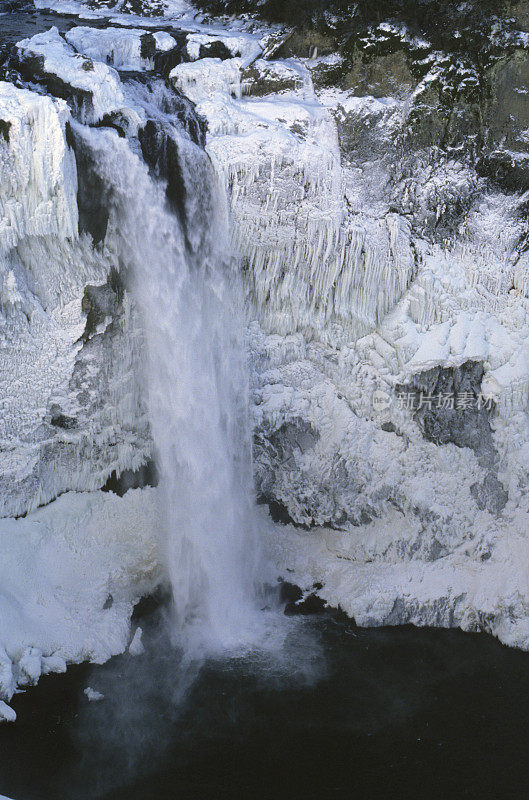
column 19, row 20
column 341, row 713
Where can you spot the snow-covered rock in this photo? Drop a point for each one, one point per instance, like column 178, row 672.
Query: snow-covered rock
column 93, row 87
column 7, row 714
column 92, row 695
column 136, row 647
column 70, row 574
column 122, row 48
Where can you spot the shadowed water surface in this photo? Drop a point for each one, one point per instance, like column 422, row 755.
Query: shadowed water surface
column 336, row 713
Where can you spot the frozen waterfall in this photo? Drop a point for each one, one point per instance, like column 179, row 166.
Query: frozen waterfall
column 187, row 293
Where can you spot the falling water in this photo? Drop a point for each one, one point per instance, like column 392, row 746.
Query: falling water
column 186, row 289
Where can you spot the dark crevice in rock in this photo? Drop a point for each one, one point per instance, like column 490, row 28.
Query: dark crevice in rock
column 148, row 47
column 146, row 475
column 214, row 50
column 160, row 152
column 60, row 420
column 279, row 512
column 41, row 505
column 93, row 193
column 279, row 449
column 115, row 120
column 100, row 303
column 161, row 149
column 175, row 104
column 164, row 60
column 450, row 409
column 297, row 602
column 5, row 127
column 152, row 603
column 505, row 170
column 490, row 494
column 309, row 604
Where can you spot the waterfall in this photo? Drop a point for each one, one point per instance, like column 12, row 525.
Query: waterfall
column 186, row 290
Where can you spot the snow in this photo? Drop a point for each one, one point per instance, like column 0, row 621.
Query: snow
column 59, row 566
column 92, row 695
column 120, row 47
column 136, row 647
column 100, row 81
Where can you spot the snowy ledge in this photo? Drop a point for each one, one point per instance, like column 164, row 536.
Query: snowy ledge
column 472, row 589
column 70, row 575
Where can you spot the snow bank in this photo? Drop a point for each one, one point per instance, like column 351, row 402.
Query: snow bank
column 481, row 586
column 69, row 576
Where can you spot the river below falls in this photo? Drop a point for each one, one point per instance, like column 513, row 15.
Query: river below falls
column 338, row 713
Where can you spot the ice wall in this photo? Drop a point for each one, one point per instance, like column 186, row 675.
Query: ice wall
column 312, row 260
column 365, row 293
column 70, row 394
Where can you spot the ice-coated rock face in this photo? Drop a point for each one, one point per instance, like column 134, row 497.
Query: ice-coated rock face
column 70, row 390
column 312, row 259
column 123, row 48
column 38, row 184
column 386, row 280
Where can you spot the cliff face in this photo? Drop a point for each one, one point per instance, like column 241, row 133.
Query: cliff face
column 376, row 169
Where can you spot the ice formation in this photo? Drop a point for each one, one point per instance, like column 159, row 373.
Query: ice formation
column 70, row 575
column 45, row 266
column 123, row 48
column 136, row 647
column 348, row 301
column 311, row 260
column 370, row 274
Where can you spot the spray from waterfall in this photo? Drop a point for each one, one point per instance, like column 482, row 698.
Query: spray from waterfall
column 186, row 290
